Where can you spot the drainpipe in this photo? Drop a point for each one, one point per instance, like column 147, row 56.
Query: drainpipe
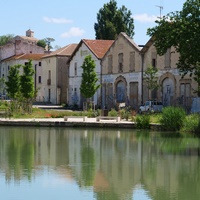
column 56, row 80
column 142, row 72
column 35, row 76
column 101, row 84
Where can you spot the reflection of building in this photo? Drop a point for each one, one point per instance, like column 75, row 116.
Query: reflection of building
column 123, row 163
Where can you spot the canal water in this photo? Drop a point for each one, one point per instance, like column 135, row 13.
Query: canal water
column 97, row 164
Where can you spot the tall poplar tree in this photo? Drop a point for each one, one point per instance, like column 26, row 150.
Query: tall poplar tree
column 27, row 86
column 13, row 82
column 89, row 78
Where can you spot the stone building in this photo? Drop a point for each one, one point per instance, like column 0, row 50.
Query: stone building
column 95, row 48
column 55, row 75
column 121, row 74
column 174, row 89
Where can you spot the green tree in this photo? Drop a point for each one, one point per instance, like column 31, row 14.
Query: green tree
column 112, row 20
column 89, row 78
column 27, row 86
column 48, row 42
column 13, row 82
column 41, row 43
column 2, row 85
column 151, row 79
column 181, row 29
column 5, row 38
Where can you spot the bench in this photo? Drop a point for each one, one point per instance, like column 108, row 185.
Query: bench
column 108, row 118
column 66, row 118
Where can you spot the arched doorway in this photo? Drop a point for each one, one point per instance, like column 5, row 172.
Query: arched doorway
column 168, row 91
column 120, row 91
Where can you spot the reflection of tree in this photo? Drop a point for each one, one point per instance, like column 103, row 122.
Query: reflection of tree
column 108, row 195
column 88, row 166
column 27, row 159
column 20, row 155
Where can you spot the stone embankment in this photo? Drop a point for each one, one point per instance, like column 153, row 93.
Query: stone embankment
column 71, row 122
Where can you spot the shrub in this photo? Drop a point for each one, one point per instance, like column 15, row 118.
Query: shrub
column 113, row 113
column 192, row 124
column 143, row 121
column 93, row 113
column 172, row 118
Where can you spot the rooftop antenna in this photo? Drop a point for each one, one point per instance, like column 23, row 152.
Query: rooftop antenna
column 161, row 8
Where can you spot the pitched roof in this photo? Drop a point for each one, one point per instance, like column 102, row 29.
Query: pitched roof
column 147, row 45
column 130, row 40
column 98, row 47
column 65, row 51
column 25, row 57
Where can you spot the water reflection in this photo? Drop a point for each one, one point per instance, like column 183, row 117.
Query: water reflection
column 99, row 164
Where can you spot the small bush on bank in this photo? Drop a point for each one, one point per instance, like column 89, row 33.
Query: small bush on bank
column 113, row 113
column 172, row 118
column 143, row 121
column 93, row 113
column 192, row 124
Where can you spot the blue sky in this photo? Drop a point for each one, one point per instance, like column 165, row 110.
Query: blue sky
column 69, row 21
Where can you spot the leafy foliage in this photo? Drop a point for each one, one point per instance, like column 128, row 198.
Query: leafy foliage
column 172, row 118
column 5, row 38
column 48, row 42
column 111, row 21
column 180, row 29
column 13, row 83
column 20, row 88
column 89, row 78
column 26, row 80
column 143, row 121
column 41, row 43
column 192, row 124
column 151, row 78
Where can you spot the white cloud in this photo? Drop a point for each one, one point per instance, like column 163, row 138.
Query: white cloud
column 73, row 32
column 57, row 20
column 145, row 18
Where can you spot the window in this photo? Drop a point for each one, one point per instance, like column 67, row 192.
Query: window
column 185, row 90
column 40, row 63
column 153, row 59
column 49, row 74
column 120, row 61
column 8, row 68
column 132, row 61
column 39, row 79
column 110, row 64
column 75, row 69
column 153, row 62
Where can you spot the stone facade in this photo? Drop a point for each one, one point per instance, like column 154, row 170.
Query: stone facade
column 95, row 48
column 55, row 75
column 121, row 74
column 19, row 51
column 174, row 89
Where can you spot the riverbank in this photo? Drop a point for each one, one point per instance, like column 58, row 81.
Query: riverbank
column 75, row 122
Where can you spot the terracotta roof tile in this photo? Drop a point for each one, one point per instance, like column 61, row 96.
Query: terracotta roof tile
column 65, row 51
column 98, row 47
column 25, row 57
